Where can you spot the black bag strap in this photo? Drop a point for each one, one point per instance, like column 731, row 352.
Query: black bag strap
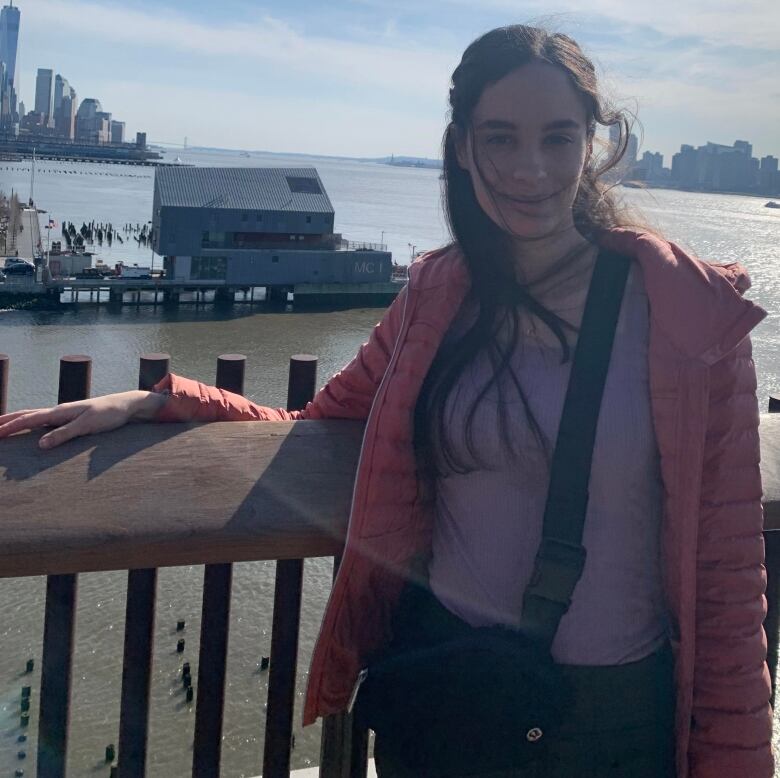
column 561, row 557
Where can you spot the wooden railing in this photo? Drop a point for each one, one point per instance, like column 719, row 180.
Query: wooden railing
column 212, row 494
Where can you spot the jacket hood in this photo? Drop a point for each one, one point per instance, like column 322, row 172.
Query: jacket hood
column 698, row 306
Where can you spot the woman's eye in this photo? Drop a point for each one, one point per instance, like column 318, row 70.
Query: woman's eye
column 499, row 140
column 558, row 140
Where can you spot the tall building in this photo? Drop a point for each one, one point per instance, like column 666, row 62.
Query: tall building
column 768, row 176
column 22, row 109
column 66, row 118
column 61, row 92
column 44, row 94
column 92, row 123
column 9, row 42
column 117, row 132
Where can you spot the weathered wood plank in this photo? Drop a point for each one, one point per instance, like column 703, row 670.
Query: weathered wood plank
column 154, row 495
column 230, row 492
column 769, row 430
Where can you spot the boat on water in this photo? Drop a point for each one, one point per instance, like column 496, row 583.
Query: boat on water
column 772, row 204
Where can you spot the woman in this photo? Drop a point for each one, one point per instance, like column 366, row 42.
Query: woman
column 462, row 385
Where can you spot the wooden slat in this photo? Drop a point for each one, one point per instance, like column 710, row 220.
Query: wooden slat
column 284, row 660
column 75, row 377
column 173, row 494
column 344, row 748
column 215, row 625
column 769, row 431
column 215, row 622
column 56, row 670
column 4, row 364
column 301, row 383
column 139, row 630
column 137, row 672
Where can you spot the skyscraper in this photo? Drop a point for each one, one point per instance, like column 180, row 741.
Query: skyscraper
column 9, row 41
column 44, row 94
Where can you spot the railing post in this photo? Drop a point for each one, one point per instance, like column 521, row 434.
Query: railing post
column 344, row 749
column 287, row 613
column 4, row 364
column 215, row 625
column 59, row 619
column 139, row 631
column 772, row 565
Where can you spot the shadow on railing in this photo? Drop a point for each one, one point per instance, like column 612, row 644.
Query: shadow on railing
column 287, row 499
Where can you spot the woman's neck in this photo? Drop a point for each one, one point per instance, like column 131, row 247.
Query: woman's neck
column 542, row 260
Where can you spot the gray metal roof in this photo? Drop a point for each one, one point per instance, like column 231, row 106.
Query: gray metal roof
column 243, row 188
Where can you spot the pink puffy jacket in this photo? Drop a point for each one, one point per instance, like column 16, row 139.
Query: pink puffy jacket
column 703, row 395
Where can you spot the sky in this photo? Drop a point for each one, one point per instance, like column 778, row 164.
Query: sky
column 369, row 78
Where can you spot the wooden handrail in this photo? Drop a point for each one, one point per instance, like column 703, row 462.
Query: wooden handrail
column 229, row 492
column 156, row 495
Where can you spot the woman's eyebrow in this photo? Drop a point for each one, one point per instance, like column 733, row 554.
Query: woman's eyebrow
column 504, row 124
column 497, row 124
column 562, row 124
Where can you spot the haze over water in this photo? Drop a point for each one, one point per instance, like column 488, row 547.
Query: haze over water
column 368, row 198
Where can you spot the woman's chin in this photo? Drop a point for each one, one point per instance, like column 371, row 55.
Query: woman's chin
column 531, row 227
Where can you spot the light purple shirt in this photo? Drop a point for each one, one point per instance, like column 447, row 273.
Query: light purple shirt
column 489, row 521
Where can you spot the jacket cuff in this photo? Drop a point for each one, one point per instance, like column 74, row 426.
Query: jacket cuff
column 184, row 398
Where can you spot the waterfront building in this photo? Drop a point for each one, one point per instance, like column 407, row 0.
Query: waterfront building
column 117, row 131
column 717, row 167
column 9, row 42
column 92, row 123
column 65, row 120
column 44, row 93
column 632, row 149
column 140, row 140
column 650, row 167
column 769, row 178
column 61, row 93
column 255, row 227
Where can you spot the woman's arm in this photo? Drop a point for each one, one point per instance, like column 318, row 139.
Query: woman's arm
column 347, row 395
column 732, row 721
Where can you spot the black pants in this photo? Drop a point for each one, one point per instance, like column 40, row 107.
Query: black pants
column 621, row 724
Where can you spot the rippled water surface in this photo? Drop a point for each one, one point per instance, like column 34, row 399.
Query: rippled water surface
column 369, row 199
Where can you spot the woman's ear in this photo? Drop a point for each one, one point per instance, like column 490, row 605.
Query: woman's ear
column 460, row 140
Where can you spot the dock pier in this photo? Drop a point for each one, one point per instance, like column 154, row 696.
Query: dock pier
column 159, row 291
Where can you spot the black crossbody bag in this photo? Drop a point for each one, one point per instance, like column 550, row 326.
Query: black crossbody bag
column 489, row 699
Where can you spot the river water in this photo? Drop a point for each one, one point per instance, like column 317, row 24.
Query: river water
column 373, row 202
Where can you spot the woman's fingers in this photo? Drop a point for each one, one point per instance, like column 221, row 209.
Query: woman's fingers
column 44, row 417
column 62, row 434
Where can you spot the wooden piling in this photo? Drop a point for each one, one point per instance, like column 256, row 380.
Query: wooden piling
column 5, row 361
column 215, row 625
column 59, row 619
column 287, row 613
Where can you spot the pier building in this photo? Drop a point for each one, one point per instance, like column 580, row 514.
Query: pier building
column 271, row 227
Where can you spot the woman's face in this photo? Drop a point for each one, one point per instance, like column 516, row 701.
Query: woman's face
column 526, row 151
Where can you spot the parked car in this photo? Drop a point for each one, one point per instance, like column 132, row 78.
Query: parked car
column 20, row 269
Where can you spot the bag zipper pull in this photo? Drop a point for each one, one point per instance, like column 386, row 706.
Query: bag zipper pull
column 356, row 688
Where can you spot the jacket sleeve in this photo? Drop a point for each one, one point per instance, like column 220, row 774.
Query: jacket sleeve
column 732, row 721
column 347, row 395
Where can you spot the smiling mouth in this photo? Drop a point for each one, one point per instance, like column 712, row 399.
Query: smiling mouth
column 526, row 200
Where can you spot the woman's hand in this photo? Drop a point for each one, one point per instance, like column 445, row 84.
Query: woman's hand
column 84, row 417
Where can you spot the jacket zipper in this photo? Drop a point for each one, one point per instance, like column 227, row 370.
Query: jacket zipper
column 364, row 671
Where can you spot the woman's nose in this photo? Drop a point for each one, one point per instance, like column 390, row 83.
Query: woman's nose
column 528, row 166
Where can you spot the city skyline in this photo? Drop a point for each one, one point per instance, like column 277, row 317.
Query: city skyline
column 263, row 80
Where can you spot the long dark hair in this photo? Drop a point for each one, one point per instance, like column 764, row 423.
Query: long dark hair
column 497, row 295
